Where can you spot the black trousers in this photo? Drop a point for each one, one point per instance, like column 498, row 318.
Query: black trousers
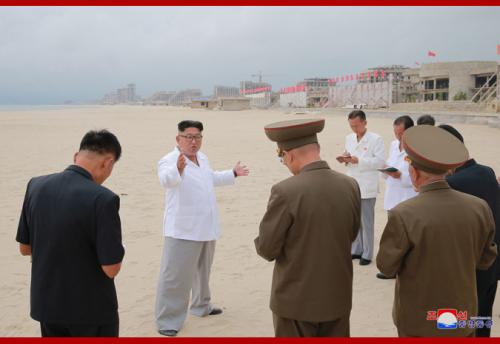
column 72, row 330
column 485, row 299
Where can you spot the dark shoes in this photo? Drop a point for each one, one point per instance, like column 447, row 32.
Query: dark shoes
column 215, row 311
column 173, row 333
column 382, row 276
column 364, row 261
column 168, row 333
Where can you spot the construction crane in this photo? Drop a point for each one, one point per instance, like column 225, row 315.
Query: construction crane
column 260, row 75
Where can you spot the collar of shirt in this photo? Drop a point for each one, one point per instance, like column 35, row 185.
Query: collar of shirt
column 436, row 185
column 80, row 170
column 199, row 158
column 396, row 148
column 315, row 165
column 468, row 163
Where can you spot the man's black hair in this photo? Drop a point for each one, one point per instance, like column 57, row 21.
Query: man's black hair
column 452, row 131
column 101, row 142
column 189, row 124
column 406, row 120
column 426, row 119
column 357, row 113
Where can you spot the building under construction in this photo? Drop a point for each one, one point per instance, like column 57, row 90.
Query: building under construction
column 160, row 98
column 226, row 91
column 311, row 92
column 468, row 85
column 260, row 93
column 124, row 95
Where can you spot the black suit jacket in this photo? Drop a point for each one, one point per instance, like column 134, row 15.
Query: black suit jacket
column 73, row 227
column 480, row 181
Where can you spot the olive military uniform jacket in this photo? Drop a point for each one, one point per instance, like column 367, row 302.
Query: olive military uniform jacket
column 434, row 243
column 311, row 220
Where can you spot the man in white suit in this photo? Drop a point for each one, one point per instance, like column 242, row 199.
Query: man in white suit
column 190, row 227
column 364, row 155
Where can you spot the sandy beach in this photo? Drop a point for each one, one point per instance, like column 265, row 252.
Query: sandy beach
column 40, row 142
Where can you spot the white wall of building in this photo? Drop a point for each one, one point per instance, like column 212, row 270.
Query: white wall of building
column 296, row 99
column 262, row 99
column 374, row 95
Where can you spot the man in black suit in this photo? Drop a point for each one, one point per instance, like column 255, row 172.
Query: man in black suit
column 480, row 181
column 71, row 228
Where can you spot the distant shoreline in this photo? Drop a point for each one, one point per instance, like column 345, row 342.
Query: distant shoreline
column 5, row 108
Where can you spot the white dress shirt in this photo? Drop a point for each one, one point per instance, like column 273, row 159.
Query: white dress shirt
column 400, row 189
column 190, row 205
column 370, row 154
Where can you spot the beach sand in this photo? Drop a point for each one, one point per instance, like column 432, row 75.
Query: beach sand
column 40, row 142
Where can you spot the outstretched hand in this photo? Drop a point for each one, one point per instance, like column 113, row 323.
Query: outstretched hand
column 241, row 170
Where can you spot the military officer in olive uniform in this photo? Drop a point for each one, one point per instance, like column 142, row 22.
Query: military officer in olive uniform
column 434, row 242
column 312, row 218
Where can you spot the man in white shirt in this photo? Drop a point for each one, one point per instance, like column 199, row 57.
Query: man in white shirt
column 398, row 185
column 364, row 155
column 190, row 227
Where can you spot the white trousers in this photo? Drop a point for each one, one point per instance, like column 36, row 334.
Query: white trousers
column 185, row 268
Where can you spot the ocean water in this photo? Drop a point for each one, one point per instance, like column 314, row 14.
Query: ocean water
column 13, row 108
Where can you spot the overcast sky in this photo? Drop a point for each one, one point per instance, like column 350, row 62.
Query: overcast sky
column 50, row 55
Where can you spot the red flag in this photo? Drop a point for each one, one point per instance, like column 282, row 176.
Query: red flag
column 357, row 76
column 431, row 53
column 375, row 74
column 382, row 74
column 498, row 49
column 352, row 77
column 341, row 79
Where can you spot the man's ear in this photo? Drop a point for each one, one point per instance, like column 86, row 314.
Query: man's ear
column 107, row 162
column 177, row 139
column 74, row 157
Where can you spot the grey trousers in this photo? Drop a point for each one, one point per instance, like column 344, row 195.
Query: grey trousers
column 185, row 268
column 363, row 245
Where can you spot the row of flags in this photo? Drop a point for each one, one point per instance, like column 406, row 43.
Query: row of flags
column 256, row 90
column 358, row 76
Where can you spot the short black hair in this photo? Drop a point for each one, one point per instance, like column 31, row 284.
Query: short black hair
column 406, row 120
column 357, row 113
column 183, row 125
column 101, row 142
column 426, row 119
column 452, row 131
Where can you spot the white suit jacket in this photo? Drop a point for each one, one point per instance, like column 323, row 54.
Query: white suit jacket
column 370, row 153
column 190, row 205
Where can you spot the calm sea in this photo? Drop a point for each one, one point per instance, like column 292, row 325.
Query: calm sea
column 11, row 108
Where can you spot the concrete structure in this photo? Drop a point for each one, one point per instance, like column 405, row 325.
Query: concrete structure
column 233, row 103
column 160, row 98
column 317, row 90
column 311, row 93
column 472, row 81
column 260, row 93
column 294, row 96
column 203, row 103
column 121, row 96
column 362, row 95
column 184, row 97
column 226, row 91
